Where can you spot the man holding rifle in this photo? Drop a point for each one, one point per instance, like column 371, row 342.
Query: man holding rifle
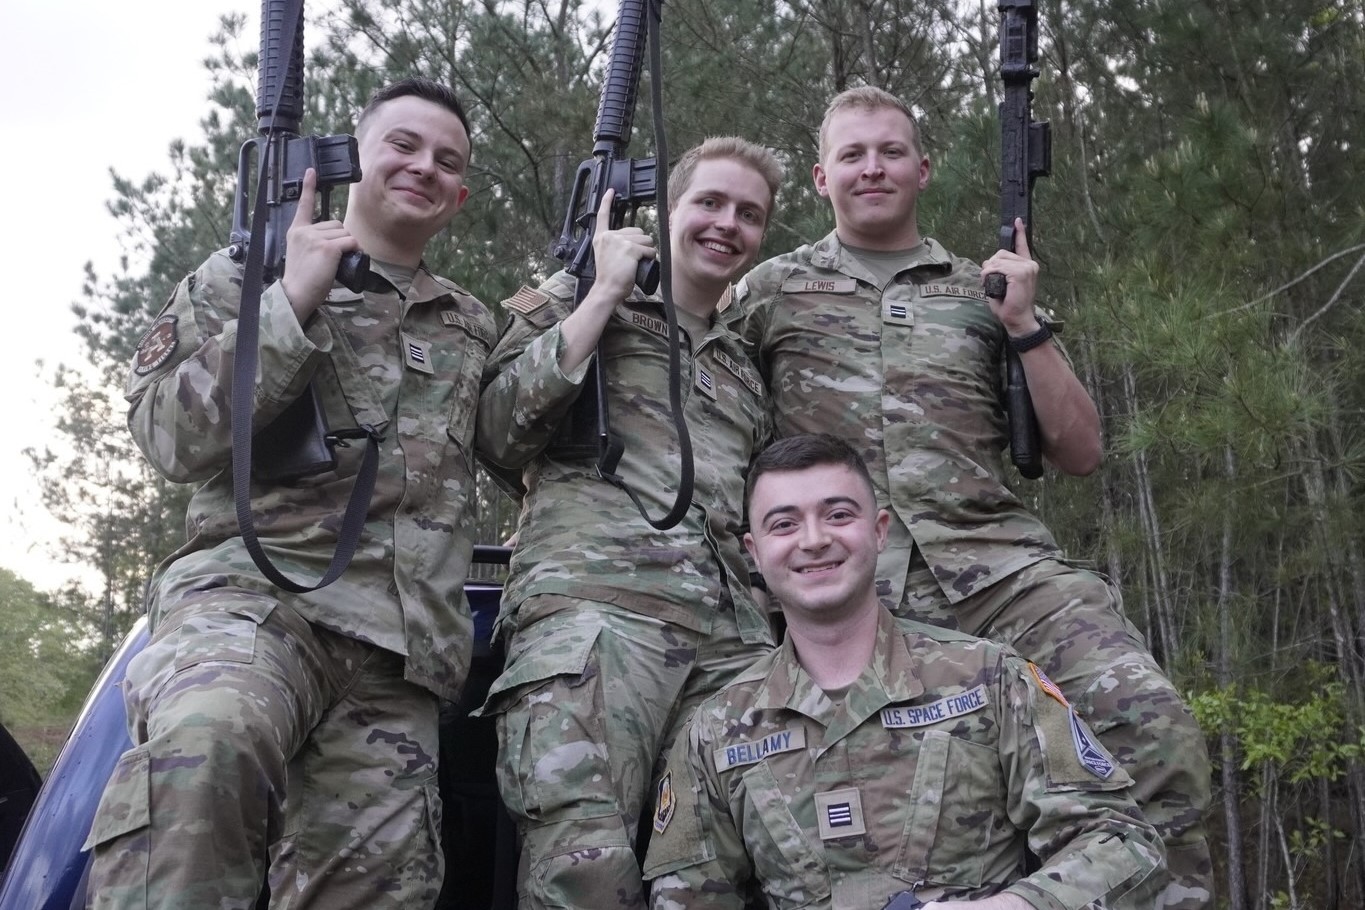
column 297, row 733
column 882, row 337
column 615, row 629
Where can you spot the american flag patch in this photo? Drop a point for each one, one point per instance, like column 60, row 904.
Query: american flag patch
column 1048, row 685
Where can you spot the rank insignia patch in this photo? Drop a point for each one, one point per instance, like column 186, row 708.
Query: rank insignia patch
column 839, row 813
column 157, row 346
column 664, row 803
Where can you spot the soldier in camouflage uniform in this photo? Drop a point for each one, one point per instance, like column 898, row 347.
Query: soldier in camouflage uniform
column 869, row 755
column 299, row 732
column 614, row 629
column 884, row 338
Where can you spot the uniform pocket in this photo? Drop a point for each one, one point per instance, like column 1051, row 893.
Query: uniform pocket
column 216, row 637
column 552, row 753
column 954, row 780
column 784, row 858
column 125, row 806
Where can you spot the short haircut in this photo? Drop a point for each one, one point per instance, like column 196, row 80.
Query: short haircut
column 426, row 89
column 732, row 148
column 866, row 98
column 810, row 450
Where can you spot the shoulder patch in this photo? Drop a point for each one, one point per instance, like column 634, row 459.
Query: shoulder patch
column 664, row 803
column 1048, row 685
column 157, row 345
column 526, row 300
column 1090, row 754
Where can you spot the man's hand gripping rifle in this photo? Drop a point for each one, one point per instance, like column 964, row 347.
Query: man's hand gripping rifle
column 297, row 443
column 1025, row 155
column 586, row 432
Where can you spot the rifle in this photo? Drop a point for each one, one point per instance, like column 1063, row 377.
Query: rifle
column 1025, row 155
column 586, row 430
column 297, row 443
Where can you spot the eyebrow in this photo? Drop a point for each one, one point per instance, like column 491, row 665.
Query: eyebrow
column 828, row 501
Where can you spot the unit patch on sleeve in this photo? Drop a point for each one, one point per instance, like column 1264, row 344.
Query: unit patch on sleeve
column 1091, row 754
column 157, row 346
column 750, row 753
column 904, row 716
column 664, row 803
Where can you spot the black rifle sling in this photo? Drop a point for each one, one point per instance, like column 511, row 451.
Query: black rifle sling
column 244, row 381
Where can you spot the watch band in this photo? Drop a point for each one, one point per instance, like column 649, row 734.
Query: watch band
column 1031, row 340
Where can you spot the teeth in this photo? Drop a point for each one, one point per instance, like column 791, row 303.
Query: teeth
column 718, row 247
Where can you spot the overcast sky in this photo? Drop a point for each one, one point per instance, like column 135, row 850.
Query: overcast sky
column 85, row 85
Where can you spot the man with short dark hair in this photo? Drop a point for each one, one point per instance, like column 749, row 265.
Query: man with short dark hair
column 614, row 628
column 869, row 759
column 878, row 334
column 297, row 733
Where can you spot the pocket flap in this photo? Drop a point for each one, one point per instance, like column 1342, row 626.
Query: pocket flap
column 126, row 804
column 564, row 656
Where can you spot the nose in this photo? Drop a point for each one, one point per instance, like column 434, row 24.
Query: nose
column 872, row 165
column 814, row 536
column 726, row 219
column 422, row 162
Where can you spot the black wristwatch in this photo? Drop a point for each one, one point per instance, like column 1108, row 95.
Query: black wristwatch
column 1031, row 340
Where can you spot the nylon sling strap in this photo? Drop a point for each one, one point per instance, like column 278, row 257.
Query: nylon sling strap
column 244, row 381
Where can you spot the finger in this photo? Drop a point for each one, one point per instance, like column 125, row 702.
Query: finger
column 604, row 210
column 303, row 215
column 1021, row 238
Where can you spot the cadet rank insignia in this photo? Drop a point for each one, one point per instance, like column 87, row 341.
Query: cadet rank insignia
column 157, row 346
column 526, row 300
column 839, row 813
column 1091, row 754
column 664, row 803
column 417, row 354
column 706, row 383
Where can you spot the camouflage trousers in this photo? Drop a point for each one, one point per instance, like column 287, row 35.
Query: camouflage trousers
column 265, row 743
column 591, row 698
column 1070, row 622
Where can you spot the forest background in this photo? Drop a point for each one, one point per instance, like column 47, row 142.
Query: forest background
column 1202, row 235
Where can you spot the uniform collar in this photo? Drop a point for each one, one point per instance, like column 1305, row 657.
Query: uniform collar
column 830, row 253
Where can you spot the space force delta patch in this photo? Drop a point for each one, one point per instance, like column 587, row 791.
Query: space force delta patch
column 753, row 752
column 944, row 709
column 1091, row 753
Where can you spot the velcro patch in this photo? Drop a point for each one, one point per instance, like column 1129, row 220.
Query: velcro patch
column 644, row 321
column 950, row 290
column 157, row 346
column 526, row 300
column 664, row 803
column 745, row 375
column 706, row 383
column 903, row 716
column 1048, row 685
column 820, row 286
column 417, row 354
column 749, row 753
column 1090, row 753
column 840, row 814
column 896, row 311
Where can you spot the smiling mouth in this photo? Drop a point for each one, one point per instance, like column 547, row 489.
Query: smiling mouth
column 716, row 246
column 820, row 567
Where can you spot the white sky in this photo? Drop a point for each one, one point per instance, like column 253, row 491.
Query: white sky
column 85, row 85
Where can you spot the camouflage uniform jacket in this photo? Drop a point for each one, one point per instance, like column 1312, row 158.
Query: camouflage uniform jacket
column 581, row 536
column 409, row 367
column 909, row 375
column 945, row 761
